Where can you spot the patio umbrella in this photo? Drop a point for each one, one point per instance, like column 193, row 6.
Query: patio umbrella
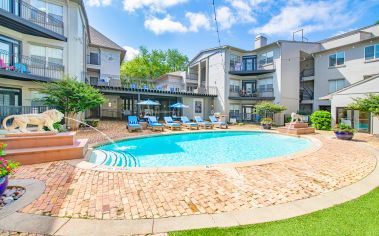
column 149, row 102
column 178, row 105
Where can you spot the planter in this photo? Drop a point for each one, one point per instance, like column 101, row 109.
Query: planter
column 344, row 135
column 266, row 126
column 3, row 184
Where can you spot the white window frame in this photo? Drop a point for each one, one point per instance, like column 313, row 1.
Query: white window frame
column 335, row 54
column 372, row 45
column 265, row 58
column 335, row 85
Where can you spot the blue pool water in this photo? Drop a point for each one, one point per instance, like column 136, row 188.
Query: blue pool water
column 193, row 149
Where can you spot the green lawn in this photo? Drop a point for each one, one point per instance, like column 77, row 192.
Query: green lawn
column 357, row 217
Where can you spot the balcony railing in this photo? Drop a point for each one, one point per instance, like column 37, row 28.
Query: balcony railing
column 32, row 14
column 247, row 117
column 259, row 94
column 19, row 64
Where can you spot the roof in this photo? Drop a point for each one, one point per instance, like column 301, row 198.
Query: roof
column 100, row 40
column 175, row 73
column 330, row 96
column 217, row 48
column 345, row 34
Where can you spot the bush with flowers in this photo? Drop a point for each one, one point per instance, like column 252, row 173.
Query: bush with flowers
column 6, row 166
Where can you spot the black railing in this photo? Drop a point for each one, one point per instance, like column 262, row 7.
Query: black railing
column 247, row 117
column 28, row 12
column 266, row 93
column 256, row 67
column 30, row 65
column 18, row 110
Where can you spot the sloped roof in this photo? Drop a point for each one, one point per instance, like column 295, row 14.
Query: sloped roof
column 100, row 40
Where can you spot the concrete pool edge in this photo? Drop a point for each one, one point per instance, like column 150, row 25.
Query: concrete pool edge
column 315, row 146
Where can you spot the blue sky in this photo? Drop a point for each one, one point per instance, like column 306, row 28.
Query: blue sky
column 189, row 26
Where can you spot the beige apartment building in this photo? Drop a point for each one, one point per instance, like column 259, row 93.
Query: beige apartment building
column 40, row 41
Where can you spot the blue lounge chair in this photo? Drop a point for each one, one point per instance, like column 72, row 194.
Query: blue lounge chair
column 171, row 124
column 202, row 123
column 217, row 123
column 21, row 68
column 133, row 86
column 153, row 123
column 133, row 123
column 188, row 124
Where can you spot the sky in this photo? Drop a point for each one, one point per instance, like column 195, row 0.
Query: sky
column 189, row 25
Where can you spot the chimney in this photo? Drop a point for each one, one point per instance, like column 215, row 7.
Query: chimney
column 260, row 41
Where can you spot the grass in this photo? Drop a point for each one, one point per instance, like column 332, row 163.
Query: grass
column 357, row 217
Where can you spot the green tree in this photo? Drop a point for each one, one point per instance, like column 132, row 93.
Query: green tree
column 71, row 97
column 368, row 104
column 150, row 65
column 377, row 23
column 265, row 108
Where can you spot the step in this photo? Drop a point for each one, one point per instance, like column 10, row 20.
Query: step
column 296, row 131
column 31, row 141
column 297, row 125
column 27, row 156
column 30, row 134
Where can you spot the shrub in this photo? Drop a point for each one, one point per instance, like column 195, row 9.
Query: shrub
column 266, row 121
column 343, row 128
column 265, row 108
column 321, row 120
column 90, row 122
column 56, row 126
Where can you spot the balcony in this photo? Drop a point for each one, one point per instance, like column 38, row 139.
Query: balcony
column 267, row 94
column 19, row 67
column 260, row 70
column 27, row 19
column 307, row 74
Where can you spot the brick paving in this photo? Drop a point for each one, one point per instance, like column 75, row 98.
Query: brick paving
column 90, row 194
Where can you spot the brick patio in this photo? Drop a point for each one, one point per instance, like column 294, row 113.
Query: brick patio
column 79, row 193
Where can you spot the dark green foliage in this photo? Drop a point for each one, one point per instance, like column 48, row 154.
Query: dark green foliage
column 321, row 120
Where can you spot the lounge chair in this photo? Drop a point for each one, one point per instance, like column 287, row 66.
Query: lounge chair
column 188, row 124
column 217, row 123
column 20, row 67
column 153, row 123
column 171, row 124
column 202, row 123
column 133, row 124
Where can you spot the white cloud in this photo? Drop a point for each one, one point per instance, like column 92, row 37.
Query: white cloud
column 160, row 26
column 153, row 5
column 244, row 10
column 130, row 53
column 311, row 16
column 197, row 21
column 98, row 3
column 225, row 17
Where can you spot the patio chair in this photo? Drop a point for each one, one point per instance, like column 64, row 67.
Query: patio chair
column 20, row 67
column 188, row 124
column 133, row 124
column 133, row 86
column 171, row 124
column 202, row 123
column 217, row 123
column 153, row 123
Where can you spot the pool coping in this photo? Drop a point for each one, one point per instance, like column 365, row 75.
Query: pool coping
column 85, row 164
column 31, row 223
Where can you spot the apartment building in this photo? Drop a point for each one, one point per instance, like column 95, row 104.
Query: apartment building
column 39, row 41
column 244, row 78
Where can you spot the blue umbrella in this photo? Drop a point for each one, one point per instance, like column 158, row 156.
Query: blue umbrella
column 149, row 102
column 178, row 105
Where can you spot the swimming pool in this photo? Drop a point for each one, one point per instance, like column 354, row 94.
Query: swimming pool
column 194, row 149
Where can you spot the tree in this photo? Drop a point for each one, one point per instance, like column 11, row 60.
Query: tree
column 368, row 104
column 377, row 23
column 71, row 97
column 150, row 65
column 265, row 108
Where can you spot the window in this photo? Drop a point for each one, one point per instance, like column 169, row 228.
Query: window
column 50, row 57
column 235, row 62
column 198, row 107
column 265, row 85
column 94, row 58
column 55, row 12
column 372, row 52
column 234, row 86
column 249, row 63
column 335, row 85
column 266, row 58
column 234, row 109
column 337, row 59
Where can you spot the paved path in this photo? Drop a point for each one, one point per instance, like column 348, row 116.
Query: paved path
column 138, row 203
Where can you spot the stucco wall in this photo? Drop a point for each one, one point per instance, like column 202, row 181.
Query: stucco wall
column 217, row 78
column 354, row 70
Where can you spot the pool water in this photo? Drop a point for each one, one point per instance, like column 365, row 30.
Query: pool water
column 193, row 149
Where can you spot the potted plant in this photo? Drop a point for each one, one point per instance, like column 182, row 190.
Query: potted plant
column 266, row 123
column 344, row 131
column 6, row 168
